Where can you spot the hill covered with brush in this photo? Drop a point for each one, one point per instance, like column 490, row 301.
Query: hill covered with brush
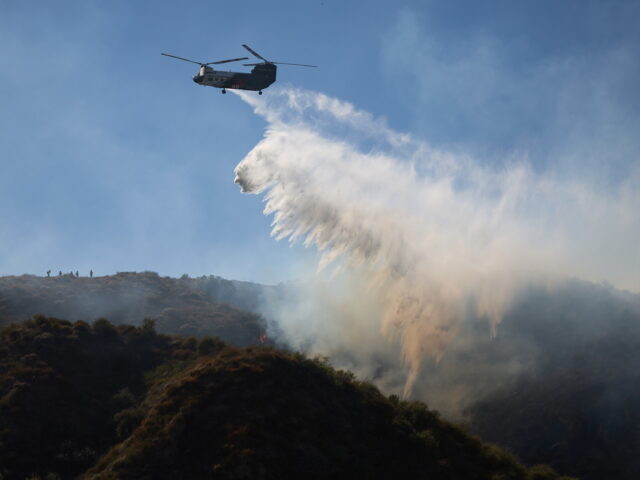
column 576, row 402
column 558, row 384
column 201, row 306
column 558, row 381
column 101, row 401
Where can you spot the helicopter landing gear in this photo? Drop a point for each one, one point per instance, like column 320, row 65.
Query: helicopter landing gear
column 224, row 91
column 260, row 92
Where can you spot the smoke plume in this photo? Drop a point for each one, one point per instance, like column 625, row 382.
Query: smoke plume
column 420, row 242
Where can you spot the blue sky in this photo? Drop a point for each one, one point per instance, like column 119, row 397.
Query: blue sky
column 111, row 158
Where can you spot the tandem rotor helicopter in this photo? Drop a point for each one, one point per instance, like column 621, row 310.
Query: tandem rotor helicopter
column 262, row 75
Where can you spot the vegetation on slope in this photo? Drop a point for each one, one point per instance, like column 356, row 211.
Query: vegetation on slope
column 187, row 306
column 60, row 386
column 577, row 406
column 125, row 402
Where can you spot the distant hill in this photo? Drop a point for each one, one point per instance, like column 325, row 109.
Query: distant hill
column 559, row 383
column 115, row 402
column 191, row 306
column 576, row 405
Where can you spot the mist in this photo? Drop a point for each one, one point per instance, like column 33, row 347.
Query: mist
column 419, row 246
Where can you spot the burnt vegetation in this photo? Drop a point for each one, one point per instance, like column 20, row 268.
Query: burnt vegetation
column 104, row 401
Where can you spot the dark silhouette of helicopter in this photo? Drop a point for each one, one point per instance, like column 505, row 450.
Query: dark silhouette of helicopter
column 262, row 75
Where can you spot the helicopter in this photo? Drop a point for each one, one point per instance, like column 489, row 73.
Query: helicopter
column 262, row 75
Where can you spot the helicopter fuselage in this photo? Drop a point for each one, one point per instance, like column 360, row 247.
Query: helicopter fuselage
column 260, row 77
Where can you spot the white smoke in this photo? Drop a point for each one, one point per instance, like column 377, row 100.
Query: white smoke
column 421, row 240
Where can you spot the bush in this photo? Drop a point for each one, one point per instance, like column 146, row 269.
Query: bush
column 148, row 326
column 127, row 421
column 81, row 329
column 104, row 328
column 209, row 345
column 125, row 398
column 190, row 343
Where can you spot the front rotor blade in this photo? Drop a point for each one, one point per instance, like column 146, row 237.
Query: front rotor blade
column 227, row 61
column 253, row 64
column 298, row 64
column 254, row 53
column 180, row 58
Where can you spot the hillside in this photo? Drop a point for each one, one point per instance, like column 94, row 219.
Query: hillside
column 558, row 384
column 189, row 306
column 126, row 402
column 575, row 405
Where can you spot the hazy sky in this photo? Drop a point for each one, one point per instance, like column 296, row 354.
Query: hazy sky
column 111, row 158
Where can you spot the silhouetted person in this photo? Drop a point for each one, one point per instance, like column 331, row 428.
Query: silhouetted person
column 77, row 273
column 48, row 273
column 90, row 273
column 59, row 273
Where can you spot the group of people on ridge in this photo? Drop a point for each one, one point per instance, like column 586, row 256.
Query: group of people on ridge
column 76, row 274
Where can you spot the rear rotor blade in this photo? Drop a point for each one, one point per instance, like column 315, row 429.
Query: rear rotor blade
column 227, row 61
column 297, row 64
column 254, row 53
column 253, row 64
column 180, row 58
